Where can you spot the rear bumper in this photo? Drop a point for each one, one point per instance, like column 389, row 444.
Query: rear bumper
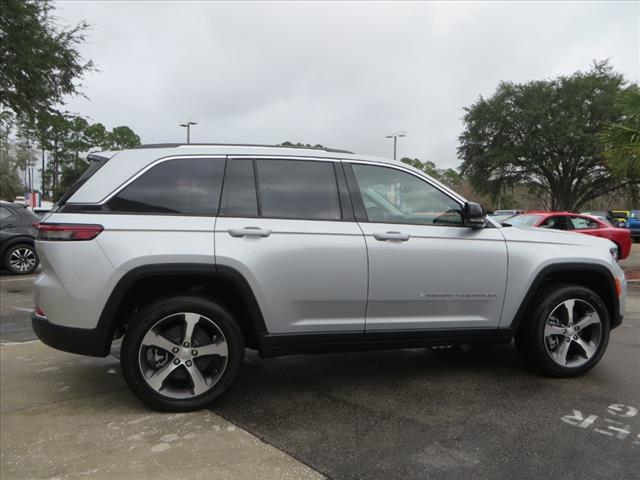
column 94, row 342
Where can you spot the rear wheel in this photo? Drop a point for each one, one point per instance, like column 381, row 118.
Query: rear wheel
column 21, row 259
column 568, row 331
column 181, row 353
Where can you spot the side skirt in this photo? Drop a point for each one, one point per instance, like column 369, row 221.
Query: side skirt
column 274, row 345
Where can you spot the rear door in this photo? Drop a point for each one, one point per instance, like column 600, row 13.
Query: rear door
column 287, row 226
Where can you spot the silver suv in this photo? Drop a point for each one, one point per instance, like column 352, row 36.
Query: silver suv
column 192, row 253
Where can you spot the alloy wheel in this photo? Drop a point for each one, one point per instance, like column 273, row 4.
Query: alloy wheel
column 22, row 260
column 183, row 355
column 573, row 333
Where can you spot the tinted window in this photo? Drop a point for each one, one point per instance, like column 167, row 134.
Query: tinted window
column 239, row 194
column 394, row 196
column 298, row 189
column 184, row 186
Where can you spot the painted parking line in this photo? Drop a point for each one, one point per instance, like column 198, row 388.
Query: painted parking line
column 18, row 279
column 620, row 427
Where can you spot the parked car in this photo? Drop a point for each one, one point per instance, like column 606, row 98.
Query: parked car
column 634, row 225
column 574, row 222
column 620, row 217
column 601, row 213
column 17, row 237
column 501, row 217
column 507, row 212
column 191, row 253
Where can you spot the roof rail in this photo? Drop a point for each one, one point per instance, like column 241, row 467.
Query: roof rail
column 176, row 145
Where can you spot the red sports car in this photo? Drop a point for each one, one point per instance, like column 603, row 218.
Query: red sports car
column 598, row 227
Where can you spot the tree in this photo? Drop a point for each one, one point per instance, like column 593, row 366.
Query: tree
column 122, row 138
column 10, row 184
column 39, row 62
column 288, row 144
column 622, row 140
column 97, row 136
column 544, row 135
column 448, row 176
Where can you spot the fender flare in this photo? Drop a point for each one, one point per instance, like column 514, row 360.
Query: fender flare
column 568, row 268
column 108, row 318
column 7, row 244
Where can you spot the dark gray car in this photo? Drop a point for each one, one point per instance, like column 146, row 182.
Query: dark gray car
column 17, row 235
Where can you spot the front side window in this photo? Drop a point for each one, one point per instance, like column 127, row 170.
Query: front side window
column 300, row 189
column 186, row 186
column 395, row 196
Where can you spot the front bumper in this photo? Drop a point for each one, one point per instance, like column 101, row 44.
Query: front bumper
column 94, row 342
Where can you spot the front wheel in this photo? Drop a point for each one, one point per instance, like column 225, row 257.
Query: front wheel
column 568, row 331
column 181, row 353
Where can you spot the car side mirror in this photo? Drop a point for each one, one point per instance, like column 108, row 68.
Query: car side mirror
column 474, row 215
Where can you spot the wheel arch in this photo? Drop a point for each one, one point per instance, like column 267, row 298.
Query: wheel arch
column 596, row 277
column 17, row 240
column 222, row 284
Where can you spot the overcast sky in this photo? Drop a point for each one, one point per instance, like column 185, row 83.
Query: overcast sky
column 340, row 74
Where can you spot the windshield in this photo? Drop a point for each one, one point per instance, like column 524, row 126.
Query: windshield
column 529, row 220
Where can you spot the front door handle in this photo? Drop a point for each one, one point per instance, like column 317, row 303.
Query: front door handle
column 397, row 236
column 249, row 232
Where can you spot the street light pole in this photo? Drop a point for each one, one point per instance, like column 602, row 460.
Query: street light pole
column 188, row 126
column 395, row 136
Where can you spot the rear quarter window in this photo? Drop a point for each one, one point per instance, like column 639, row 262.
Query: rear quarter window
column 185, row 186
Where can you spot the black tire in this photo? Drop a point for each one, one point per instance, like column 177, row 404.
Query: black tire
column 148, row 317
column 15, row 250
column 530, row 338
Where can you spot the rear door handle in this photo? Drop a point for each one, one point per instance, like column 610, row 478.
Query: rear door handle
column 397, row 236
column 249, row 232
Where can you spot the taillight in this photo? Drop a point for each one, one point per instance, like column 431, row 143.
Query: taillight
column 65, row 232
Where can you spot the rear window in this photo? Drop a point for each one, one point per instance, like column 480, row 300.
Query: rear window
column 529, row 220
column 186, row 186
column 95, row 163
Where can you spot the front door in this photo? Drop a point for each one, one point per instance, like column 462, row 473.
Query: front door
column 426, row 269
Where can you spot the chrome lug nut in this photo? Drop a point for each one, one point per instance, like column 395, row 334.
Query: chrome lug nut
column 175, row 349
column 188, row 363
column 186, row 345
column 194, row 352
column 176, row 361
column 568, row 339
column 575, row 337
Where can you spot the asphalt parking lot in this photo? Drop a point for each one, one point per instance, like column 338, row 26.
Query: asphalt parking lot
column 450, row 413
